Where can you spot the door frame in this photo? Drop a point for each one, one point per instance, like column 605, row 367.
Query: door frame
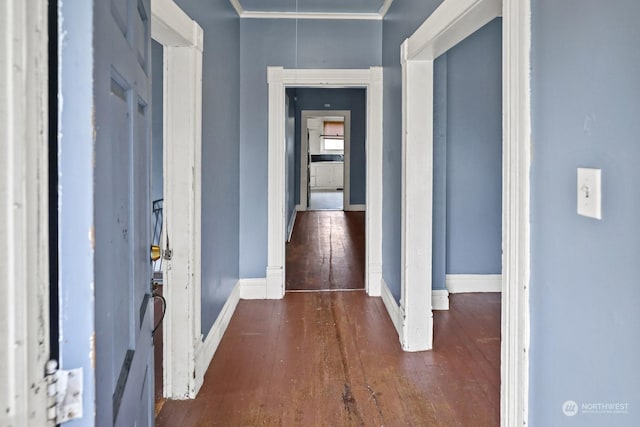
column 452, row 22
column 24, row 213
column 304, row 155
column 279, row 79
column 182, row 39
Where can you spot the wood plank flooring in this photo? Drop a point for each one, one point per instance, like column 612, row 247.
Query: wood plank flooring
column 333, row 359
column 326, row 251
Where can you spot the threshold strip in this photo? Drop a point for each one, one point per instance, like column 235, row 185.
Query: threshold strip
column 297, row 291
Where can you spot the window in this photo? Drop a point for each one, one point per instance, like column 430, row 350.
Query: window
column 333, row 136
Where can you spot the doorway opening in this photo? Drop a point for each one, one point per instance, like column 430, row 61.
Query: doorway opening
column 156, row 217
column 325, row 165
column 325, row 248
column 280, row 81
column 451, row 23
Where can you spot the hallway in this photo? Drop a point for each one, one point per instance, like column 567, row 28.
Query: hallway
column 333, row 359
column 326, row 251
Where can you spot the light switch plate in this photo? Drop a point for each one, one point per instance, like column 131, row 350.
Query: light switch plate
column 590, row 193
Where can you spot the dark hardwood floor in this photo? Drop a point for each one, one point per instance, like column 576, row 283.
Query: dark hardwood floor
column 334, row 359
column 326, row 251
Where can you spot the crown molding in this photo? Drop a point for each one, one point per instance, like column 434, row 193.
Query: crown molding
column 376, row 16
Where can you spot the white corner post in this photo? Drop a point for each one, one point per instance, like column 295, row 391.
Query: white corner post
column 182, row 39
column 373, row 217
column 278, row 79
column 516, row 160
column 276, row 185
column 417, row 200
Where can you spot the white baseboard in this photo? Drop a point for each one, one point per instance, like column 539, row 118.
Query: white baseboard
column 462, row 283
column 292, row 222
column 355, row 208
column 392, row 306
column 253, row 288
column 440, row 299
column 204, row 353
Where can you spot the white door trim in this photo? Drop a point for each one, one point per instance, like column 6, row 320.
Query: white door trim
column 304, row 150
column 278, row 79
column 24, row 213
column 452, row 22
column 182, row 39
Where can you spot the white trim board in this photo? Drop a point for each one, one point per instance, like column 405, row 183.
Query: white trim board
column 278, row 79
column 375, row 16
column 355, row 208
column 212, row 341
column 440, row 299
column 24, row 213
column 182, row 40
column 451, row 23
column 463, row 283
column 253, row 288
column 393, row 309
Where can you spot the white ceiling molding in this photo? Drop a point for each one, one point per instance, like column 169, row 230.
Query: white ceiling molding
column 377, row 16
column 237, row 6
column 385, row 8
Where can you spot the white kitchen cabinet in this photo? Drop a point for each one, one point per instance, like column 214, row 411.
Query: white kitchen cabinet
column 326, row 175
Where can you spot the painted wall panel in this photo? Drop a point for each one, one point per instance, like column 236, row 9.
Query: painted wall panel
column 584, row 272
column 354, row 100
column 291, row 44
column 474, row 153
column 220, row 152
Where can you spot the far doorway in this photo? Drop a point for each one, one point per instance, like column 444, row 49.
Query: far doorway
column 326, row 243
column 325, row 154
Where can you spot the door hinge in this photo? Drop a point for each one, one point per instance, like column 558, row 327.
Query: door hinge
column 64, row 390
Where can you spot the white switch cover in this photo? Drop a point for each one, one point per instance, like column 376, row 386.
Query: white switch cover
column 590, row 192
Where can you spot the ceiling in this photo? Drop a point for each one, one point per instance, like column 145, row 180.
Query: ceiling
column 321, row 9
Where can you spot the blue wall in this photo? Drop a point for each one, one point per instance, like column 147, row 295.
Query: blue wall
column 156, row 120
column 291, row 44
column 354, row 100
column 474, row 153
column 403, row 18
column 585, row 290
column 467, row 149
column 220, row 152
